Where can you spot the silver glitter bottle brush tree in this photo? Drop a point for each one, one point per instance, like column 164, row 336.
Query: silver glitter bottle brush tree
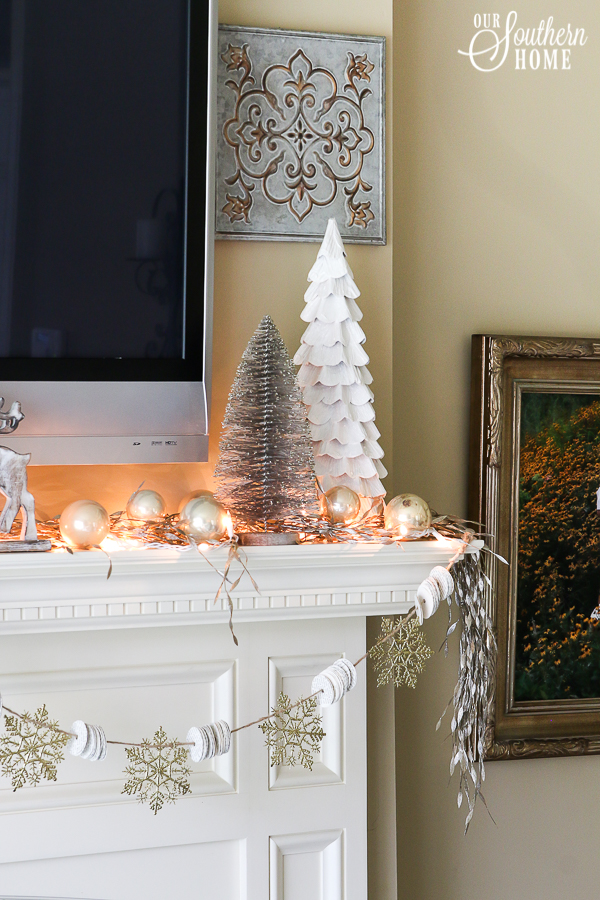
column 265, row 471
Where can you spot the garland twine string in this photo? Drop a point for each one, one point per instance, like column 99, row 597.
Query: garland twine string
column 275, row 712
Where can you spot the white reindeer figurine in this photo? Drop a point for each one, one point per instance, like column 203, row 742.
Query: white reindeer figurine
column 13, row 484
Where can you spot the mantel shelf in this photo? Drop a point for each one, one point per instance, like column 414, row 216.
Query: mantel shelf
column 58, row 591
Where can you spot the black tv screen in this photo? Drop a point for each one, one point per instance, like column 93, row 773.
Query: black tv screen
column 99, row 181
column 105, row 214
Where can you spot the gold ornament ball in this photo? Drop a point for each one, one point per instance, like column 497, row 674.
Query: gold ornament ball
column 407, row 513
column 147, row 505
column 203, row 517
column 84, row 523
column 340, row 505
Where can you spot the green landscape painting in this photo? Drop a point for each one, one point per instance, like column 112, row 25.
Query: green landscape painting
column 557, row 642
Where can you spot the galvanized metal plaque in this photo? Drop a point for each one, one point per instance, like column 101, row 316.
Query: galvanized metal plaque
column 301, row 135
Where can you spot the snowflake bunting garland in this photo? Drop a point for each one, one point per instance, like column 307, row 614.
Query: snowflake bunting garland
column 31, row 749
column 157, row 772
column 401, row 657
column 294, row 733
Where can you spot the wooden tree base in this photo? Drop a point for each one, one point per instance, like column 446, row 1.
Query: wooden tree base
column 268, row 538
column 9, row 545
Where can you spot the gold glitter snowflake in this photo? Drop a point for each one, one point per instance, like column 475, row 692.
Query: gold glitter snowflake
column 31, row 749
column 294, row 733
column 157, row 772
column 401, row 657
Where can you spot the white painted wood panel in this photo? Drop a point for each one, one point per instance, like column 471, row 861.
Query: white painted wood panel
column 190, row 870
column 54, row 839
column 293, row 676
column 148, row 648
column 307, row 865
column 127, row 697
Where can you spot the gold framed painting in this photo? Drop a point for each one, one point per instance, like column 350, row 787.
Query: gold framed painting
column 534, row 484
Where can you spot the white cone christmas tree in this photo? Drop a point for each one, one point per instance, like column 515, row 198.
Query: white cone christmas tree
column 334, row 378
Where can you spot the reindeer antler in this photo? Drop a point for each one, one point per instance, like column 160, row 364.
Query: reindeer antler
column 9, row 421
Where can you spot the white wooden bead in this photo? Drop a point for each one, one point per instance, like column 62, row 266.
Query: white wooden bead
column 209, row 740
column 428, row 596
column 90, row 745
column 351, row 676
column 323, row 684
column 444, row 579
column 76, row 745
column 334, row 682
column 89, row 741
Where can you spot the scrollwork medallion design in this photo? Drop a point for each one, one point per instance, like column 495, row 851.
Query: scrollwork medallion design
column 299, row 140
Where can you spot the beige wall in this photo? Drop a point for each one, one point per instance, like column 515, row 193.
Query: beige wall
column 497, row 228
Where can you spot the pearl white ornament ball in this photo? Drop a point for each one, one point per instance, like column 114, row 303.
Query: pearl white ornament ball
column 406, row 514
column 203, row 517
column 340, row 504
column 146, row 505
column 84, row 523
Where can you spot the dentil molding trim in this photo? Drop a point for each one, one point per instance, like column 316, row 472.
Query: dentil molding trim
column 58, row 591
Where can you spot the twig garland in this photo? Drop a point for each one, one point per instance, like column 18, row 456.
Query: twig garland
column 227, row 586
column 313, row 529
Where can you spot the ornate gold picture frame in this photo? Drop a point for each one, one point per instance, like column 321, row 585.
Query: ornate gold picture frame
column 534, row 484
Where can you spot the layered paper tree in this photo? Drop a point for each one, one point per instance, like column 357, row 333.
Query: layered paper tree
column 334, row 378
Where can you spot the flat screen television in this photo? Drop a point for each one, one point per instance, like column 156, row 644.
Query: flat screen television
column 106, row 238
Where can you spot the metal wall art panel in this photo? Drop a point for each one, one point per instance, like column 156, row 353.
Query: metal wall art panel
column 301, row 135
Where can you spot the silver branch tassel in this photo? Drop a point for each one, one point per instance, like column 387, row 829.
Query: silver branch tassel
column 474, row 691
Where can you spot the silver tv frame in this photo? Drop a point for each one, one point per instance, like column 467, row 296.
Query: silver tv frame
column 81, row 422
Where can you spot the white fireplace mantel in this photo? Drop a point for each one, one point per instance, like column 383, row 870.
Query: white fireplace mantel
column 59, row 591
column 79, row 642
